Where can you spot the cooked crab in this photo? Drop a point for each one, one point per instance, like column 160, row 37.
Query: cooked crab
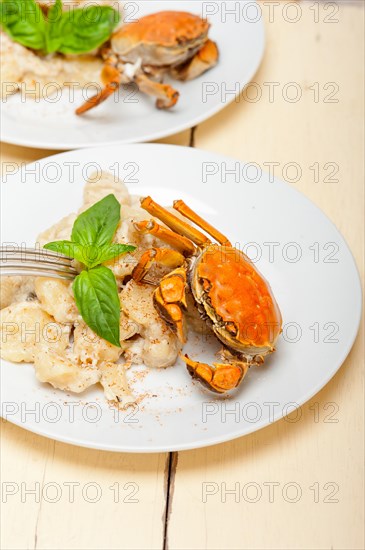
column 167, row 42
column 229, row 292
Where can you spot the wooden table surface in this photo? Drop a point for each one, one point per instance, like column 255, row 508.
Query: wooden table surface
column 319, row 458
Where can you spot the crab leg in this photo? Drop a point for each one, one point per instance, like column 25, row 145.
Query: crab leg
column 112, row 79
column 206, row 58
column 181, row 207
column 220, row 377
column 173, row 222
column 166, row 95
column 182, row 244
column 164, row 256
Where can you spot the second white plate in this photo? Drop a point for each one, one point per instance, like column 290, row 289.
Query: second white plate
column 238, row 29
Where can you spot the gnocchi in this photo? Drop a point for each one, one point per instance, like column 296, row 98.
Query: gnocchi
column 63, row 372
column 26, row 329
column 40, row 322
column 92, row 350
column 160, row 346
column 56, row 299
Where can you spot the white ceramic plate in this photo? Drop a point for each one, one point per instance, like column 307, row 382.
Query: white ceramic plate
column 134, row 118
column 309, row 266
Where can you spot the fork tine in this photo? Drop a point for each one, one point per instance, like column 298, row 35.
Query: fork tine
column 9, row 271
column 42, row 255
column 24, row 260
column 35, row 262
column 29, row 264
column 38, row 251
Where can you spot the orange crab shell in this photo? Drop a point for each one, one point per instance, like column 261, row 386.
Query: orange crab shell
column 237, row 299
column 175, row 31
column 167, row 28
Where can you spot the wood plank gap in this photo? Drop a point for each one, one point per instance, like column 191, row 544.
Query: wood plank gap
column 170, row 472
column 40, row 504
column 192, row 136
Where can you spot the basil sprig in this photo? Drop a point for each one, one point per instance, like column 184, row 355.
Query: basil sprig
column 75, row 31
column 95, row 288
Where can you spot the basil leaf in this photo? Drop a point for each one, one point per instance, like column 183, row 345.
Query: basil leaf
column 54, row 27
column 113, row 251
column 55, row 12
column 24, row 22
column 98, row 224
column 81, row 30
column 73, row 250
column 90, row 255
column 97, row 299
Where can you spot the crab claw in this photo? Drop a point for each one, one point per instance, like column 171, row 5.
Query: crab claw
column 220, row 377
column 206, row 58
column 166, row 95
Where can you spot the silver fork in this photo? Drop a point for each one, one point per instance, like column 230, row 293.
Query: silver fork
column 36, row 263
